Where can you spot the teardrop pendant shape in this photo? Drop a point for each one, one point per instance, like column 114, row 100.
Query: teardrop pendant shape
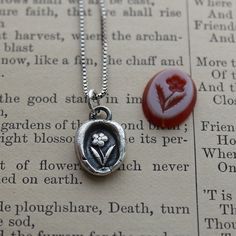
column 169, row 98
column 100, row 145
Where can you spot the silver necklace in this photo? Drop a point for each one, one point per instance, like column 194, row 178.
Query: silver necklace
column 99, row 142
column 104, row 51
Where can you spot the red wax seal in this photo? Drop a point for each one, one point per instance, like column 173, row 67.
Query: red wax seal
column 169, row 98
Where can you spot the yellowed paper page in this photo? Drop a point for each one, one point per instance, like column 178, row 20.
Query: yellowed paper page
column 177, row 181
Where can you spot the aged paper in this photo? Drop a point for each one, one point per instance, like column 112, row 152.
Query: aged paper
column 174, row 182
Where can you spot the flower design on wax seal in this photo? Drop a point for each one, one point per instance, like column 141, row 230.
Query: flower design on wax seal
column 176, row 84
column 99, row 140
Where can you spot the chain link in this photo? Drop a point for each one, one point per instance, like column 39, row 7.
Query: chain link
column 97, row 96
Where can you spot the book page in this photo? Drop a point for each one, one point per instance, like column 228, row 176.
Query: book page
column 176, row 181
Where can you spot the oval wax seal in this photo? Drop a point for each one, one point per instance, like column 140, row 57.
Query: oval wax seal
column 169, row 98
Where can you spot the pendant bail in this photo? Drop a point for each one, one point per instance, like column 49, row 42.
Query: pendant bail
column 93, row 101
column 97, row 110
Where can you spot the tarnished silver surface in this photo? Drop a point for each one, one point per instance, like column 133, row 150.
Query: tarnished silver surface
column 100, row 144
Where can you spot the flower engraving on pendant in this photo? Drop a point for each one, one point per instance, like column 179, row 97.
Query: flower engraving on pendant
column 99, row 141
column 176, row 84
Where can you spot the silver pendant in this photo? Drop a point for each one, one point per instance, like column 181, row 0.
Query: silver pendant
column 100, row 144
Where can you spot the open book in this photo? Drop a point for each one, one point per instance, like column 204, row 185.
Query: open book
column 178, row 181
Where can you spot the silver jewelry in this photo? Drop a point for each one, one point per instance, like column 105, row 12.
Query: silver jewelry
column 99, row 142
